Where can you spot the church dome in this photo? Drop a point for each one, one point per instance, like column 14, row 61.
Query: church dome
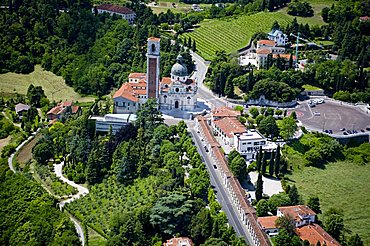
column 179, row 69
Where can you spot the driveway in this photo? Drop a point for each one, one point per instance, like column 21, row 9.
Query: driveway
column 271, row 186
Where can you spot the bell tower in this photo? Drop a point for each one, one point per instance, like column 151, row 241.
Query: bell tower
column 152, row 70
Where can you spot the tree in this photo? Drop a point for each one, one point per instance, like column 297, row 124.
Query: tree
column 35, row 94
column 294, row 196
column 232, row 155
column 287, row 223
column 262, row 208
column 355, row 240
column 254, row 112
column 288, row 127
column 278, row 200
column 165, row 212
column 333, row 222
column 277, row 161
column 194, row 47
column 283, row 238
column 268, row 126
column 271, row 164
column 148, row 116
column 42, row 153
column 264, row 163
column 201, row 226
column 259, row 187
column 314, row 204
column 259, row 159
column 238, row 167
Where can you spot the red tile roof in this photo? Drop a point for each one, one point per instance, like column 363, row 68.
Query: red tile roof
column 267, row 222
column 75, row 109
column 314, row 233
column 126, row 91
column 166, row 80
column 115, row 9
column 154, row 39
column 56, row 110
column 364, row 18
column 266, row 42
column 179, row 241
column 263, row 51
column 137, row 75
column 225, row 112
column 285, row 56
column 67, row 104
column 296, row 211
column 230, row 126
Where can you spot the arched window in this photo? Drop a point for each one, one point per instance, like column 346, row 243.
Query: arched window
column 153, row 48
column 164, row 98
column 177, row 90
column 188, row 100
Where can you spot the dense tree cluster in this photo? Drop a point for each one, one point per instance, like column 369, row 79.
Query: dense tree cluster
column 29, row 215
column 299, row 8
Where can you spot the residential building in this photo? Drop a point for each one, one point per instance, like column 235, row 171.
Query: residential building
column 314, row 234
column 175, row 92
column 126, row 13
column 179, row 241
column 268, row 226
column 63, row 110
column 248, row 143
column 112, row 122
column 20, row 108
column 301, row 214
column 278, row 37
column 226, row 128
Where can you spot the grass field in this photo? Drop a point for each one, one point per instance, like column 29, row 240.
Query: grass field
column 310, row 87
column 341, row 184
column 25, row 154
column 54, row 86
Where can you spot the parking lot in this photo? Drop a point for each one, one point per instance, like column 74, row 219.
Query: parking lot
column 334, row 117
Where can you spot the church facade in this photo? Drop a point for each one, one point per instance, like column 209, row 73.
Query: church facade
column 177, row 92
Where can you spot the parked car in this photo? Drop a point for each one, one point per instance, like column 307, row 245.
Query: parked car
column 345, row 133
column 316, row 113
column 330, row 132
column 214, row 166
column 342, row 129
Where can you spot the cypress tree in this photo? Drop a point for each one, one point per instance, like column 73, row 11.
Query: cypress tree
column 271, row 164
column 259, row 187
column 264, row 163
column 277, row 161
column 194, row 46
column 189, row 43
column 293, row 195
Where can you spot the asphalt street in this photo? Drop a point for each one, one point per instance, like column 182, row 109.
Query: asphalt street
column 220, row 190
column 199, row 76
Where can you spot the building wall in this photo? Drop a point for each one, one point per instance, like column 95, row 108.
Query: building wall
column 185, row 101
column 248, row 147
column 124, row 106
column 129, row 17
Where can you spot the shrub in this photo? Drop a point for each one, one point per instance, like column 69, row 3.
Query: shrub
column 8, row 150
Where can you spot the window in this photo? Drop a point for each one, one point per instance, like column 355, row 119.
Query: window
column 188, row 100
column 164, row 98
column 153, row 48
column 133, row 104
column 116, row 103
column 177, row 89
column 243, row 143
column 128, row 104
column 123, row 104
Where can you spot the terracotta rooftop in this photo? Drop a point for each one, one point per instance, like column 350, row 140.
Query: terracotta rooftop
column 115, row 8
column 364, row 18
column 267, row 222
column 75, row 109
column 179, row 241
column 154, row 39
column 67, row 104
column 137, row 75
column 166, row 80
column 225, row 112
column 126, row 91
column 266, row 42
column 297, row 211
column 56, row 110
column 315, row 233
column 230, row 126
column 285, row 56
column 263, row 51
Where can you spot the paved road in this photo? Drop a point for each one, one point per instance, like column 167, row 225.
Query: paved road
column 199, row 76
column 82, row 191
column 11, row 157
column 222, row 195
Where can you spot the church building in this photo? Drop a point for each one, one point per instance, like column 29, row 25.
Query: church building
column 175, row 92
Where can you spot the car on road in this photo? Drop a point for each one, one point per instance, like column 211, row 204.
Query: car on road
column 342, row 129
column 316, row 113
column 349, row 131
column 345, row 133
column 362, row 130
column 214, row 166
column 205, row 147
column 330, row 132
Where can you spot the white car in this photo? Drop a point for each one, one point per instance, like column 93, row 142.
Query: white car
column 316, row 113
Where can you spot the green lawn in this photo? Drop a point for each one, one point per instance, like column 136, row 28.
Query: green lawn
column 310, row 87
column 54, row 86
column 342, row 185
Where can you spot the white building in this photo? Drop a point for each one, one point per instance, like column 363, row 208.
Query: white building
column 175, row 92
column 278, row 36
column 112, row 122
column 111, row 9
column 249, row 142
column 302, row 215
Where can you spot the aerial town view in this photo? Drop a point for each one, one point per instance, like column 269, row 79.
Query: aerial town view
column 185, row 122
